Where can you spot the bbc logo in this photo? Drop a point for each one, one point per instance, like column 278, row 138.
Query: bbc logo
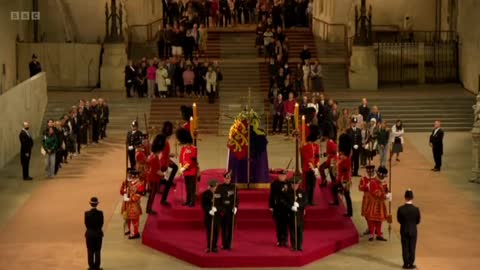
column 24, row 15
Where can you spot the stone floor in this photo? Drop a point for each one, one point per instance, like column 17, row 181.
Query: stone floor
column 42, row 226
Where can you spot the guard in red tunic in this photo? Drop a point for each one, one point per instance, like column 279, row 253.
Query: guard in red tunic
column 363, row 186
column 188, row 164
column 310, row 162
column 131, row 208
column 141, row 162
column 331, row 154
column 343, row 181
column 154, row 174
column 376, row 211
column 167, row 165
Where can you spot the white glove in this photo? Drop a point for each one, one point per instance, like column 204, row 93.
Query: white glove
column 214, row 209
column 296, row 205
column 211, row 212
column 234, row 210
column 125, row 198
column 317, row 172
column 182, row 169
column 130, row 148
column 27, row 154
column 389, row 196
column 294, row 209
column 355, row 146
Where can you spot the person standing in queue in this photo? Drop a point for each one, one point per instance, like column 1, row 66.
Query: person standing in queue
column 26, row 145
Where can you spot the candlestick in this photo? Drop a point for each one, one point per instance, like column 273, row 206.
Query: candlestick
column 303, row 130
column 296, row 114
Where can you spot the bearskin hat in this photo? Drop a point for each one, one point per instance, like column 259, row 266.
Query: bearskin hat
column 314, row 133
column 158, row 143
column 187, row 112
column 167, row 129
column 184, row 136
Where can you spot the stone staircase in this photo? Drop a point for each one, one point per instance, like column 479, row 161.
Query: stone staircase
column 122, row 110
column 241, row 72
column 169, row 109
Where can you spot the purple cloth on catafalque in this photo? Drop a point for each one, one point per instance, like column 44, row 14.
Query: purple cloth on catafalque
column 259, row 171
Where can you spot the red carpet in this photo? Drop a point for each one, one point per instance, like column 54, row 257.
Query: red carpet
column 179, row 231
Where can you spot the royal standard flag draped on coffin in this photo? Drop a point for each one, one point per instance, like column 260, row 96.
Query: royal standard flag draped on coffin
column 239, row 144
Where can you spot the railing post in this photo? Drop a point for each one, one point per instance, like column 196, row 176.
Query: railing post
column 421, row 62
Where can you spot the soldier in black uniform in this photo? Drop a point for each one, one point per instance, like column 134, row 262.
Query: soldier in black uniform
column 355, row 135
column 228, row 209
column 211, row 199
column 134, row 138
column 279, row 206
column 297, row 202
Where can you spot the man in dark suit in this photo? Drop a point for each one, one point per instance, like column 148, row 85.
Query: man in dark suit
column 34, row 66
column 26, row 144
column 408, row 216
column 436, row 142
column 363, row 109
column 355, row 135
column 94, row 234
column 130, row 77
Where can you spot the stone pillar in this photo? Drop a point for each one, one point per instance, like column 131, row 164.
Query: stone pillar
column 363, row 68
column 112, row 75
column 476, row 144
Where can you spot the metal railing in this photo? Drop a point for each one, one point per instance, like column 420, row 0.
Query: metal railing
column 140, row 33
column 332, row 31
column 419, row 57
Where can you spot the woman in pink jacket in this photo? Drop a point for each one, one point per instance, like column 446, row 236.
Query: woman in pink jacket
column 151, row 71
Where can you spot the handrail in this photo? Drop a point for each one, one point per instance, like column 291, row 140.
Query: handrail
column 148, row 26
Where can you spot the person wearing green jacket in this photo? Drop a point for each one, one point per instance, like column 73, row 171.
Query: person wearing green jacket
column 50, row 145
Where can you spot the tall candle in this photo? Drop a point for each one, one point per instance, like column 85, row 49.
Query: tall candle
column 195, row 117
column 296, row 115
column 192, row 124
column 303, row 130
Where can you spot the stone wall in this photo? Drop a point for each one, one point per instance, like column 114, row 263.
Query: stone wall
column 468, row 21
column 86, row 18
column 25, row 102
column 66, row 64
column 9, row 29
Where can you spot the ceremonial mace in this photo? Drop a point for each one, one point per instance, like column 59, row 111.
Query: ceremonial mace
column 211, row 226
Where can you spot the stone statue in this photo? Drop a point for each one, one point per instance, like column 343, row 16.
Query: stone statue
column 476, row 111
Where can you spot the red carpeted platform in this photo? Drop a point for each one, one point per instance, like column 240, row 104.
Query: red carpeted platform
column 179, row 231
